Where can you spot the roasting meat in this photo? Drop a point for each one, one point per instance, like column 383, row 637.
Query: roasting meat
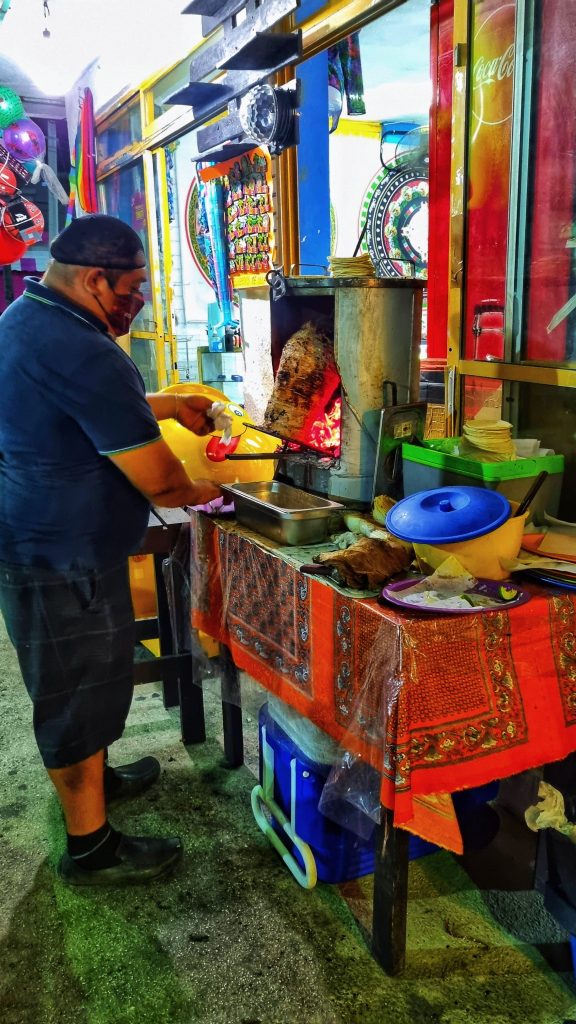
column 369, row 563
column 306, row 380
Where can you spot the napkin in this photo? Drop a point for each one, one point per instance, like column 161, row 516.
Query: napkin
column 222, row 421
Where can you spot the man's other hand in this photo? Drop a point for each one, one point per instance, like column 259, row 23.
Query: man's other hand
column 191, row 412
column 207, row 491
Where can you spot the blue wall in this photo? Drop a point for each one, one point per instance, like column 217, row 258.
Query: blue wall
column 313, row 164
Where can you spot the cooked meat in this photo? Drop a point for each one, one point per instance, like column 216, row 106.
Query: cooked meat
column 307, row 379
column 368, row 563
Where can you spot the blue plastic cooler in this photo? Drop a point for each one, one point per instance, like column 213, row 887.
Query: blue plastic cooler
column 285, row 804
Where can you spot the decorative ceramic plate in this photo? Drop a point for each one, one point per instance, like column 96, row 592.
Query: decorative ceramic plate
column 485, row 596
column 397, row 224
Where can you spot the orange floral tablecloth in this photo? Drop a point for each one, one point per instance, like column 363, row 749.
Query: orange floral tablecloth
column 435, row 703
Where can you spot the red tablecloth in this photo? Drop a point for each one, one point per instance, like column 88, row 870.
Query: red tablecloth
column 435, row 703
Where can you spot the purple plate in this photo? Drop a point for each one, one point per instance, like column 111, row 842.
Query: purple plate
column 488, row 589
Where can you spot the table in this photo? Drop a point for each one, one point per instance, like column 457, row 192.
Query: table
column 435, row 703
column 168, row 534
column 168, row 540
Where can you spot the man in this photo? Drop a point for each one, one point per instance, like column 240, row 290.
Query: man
column 81, row 459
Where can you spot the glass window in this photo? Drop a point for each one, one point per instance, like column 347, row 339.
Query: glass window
column 547, row 220
column 192, row 296
column 170, row 84
column 363, row 152
column 520, row 258
column 123, row 197
column 143, row 352
column 542, row 411
column 122, row 131
column 481, row 394
column 492, row 34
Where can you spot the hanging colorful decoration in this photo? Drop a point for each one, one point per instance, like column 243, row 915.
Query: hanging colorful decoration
column 247, row 195
column 22, row 149
column 8, row 184
column 83, row 171
column 214, row 205
column 197, row 231
column 11, row 249
column 24, row 139
column 10, row 106
column 22, row 220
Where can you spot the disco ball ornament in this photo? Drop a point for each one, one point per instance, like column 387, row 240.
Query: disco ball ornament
column 267, row 117
column 11, row 108
column 259, row 113
column 25, row 140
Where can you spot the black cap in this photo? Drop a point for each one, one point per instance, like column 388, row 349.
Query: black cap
column 97, row 240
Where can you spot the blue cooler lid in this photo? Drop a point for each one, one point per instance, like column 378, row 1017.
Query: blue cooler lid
column 447, row 515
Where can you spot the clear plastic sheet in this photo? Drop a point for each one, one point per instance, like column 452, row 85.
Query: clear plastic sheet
column 419, row 705
column 177, row 583
column 262, row 605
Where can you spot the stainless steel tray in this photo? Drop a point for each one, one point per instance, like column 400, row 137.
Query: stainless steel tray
column 286, row 514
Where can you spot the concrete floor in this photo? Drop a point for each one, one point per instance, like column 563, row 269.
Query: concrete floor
column 232, row 939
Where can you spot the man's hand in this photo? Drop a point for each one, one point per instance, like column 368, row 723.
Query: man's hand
column 206, row 490
column 191, row 412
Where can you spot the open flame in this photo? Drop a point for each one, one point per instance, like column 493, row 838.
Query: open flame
column 325, row 432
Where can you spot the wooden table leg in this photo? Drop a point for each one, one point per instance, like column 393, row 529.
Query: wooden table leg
column 231, row 710
column 192, row 724
column 390, row 895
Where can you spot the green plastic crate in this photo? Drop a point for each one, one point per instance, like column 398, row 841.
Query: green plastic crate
column 434, row 465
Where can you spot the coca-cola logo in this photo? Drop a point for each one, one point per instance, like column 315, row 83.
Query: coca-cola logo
column 493, row 59
column 486, row 72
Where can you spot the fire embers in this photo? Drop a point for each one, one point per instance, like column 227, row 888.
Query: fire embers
column 305, row 389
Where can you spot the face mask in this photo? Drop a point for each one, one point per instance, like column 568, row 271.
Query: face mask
column 123, row 312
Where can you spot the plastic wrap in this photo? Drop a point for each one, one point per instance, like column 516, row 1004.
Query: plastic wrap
column 177, row 584
column 257, row 603
column 420, row 705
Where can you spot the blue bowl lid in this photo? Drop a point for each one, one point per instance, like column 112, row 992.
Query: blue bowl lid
column 447, row 515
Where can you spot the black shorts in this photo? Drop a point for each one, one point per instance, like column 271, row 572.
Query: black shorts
column 74, row 635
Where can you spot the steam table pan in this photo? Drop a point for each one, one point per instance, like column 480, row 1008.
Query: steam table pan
column 285, row 514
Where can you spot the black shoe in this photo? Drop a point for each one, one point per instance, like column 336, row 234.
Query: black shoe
column 129, row 780
column 142, row 859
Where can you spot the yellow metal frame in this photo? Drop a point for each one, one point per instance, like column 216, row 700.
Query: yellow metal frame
column 154, row 269
column 159, row 155
column 331, row 23
column 337, row 19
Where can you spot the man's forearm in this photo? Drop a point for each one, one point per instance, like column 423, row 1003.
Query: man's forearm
column 176, row 497
column 164, row 407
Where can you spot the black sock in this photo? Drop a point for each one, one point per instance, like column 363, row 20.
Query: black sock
column 95, row 850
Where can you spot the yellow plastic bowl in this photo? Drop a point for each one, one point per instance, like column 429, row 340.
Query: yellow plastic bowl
column 201, row 456
column 482, row 555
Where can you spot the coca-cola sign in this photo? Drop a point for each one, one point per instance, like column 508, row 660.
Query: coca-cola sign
column 493, row 66
column 486, row 72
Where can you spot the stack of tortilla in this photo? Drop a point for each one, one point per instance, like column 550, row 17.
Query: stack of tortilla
column 351, row 266
column 487, row 441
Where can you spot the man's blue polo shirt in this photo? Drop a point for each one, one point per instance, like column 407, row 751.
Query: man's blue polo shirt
column 69, row 396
